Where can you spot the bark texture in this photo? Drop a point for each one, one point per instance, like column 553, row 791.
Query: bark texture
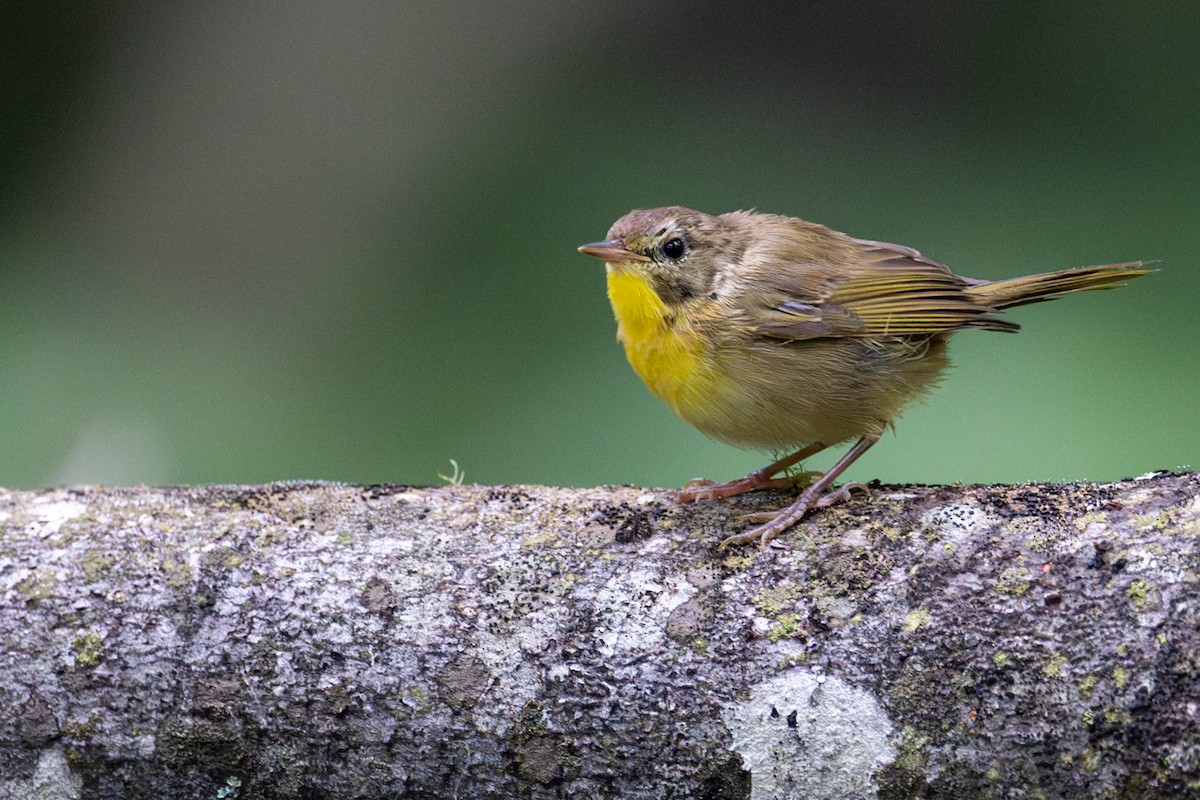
column 312, row 640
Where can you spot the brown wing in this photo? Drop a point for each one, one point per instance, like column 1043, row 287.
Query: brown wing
column 886, row 290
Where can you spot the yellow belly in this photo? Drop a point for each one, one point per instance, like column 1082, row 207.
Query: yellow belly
column 661, row 348
column 763, row 394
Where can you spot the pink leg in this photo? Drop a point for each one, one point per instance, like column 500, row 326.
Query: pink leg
column 759, row 479
column 811, row 498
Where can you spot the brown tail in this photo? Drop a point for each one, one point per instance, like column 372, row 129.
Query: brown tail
column 1051, row 285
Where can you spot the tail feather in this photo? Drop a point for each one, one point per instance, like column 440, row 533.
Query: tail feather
column 1050, row 285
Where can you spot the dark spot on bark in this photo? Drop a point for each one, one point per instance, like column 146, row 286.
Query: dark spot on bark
column 689, row 621
column 17, row 763
column 904, row 778
column 726, row 780
column 1101, row 554
column 629, row 524
column 216, row 694
column 1141, row 700
column 538, row 760
column 636, row 527
column 462, row 681
column 515, row 498
column 791, row 719
column 1052, row 601
column 379, row 598
column 36, row 723
column 250, row 498
column 182, row 741
column 774, row 712
column 339, row 701
column 375, row 491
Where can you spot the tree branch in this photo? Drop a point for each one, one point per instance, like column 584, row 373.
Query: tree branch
column 311, row 640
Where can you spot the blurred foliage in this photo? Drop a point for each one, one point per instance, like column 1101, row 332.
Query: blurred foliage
column 338, row 242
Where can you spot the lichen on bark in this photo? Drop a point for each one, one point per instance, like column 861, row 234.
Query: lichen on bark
column 322, row 640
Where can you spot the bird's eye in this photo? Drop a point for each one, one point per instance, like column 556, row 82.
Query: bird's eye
column 673, row 248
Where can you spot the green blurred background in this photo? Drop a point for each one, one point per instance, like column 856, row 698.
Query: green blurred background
column 245, row 242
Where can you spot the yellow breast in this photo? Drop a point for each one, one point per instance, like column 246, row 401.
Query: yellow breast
column 661, row 348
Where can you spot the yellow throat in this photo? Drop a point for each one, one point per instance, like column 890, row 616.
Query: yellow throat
column 660, row 348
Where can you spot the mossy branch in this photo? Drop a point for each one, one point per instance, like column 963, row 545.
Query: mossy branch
column 313, row 640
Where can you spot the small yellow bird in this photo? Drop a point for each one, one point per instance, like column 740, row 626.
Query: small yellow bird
column 769, row 331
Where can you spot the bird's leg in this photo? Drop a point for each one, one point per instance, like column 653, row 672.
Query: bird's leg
column 700, row 489
column 814, row 496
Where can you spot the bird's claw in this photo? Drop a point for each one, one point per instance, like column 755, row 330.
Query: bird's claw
column 776, row 522
column 840, row 495
column 694, row 491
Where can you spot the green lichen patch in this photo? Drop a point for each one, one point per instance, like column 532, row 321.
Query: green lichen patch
column 787, row 626
column 905, row 776
column 737, row 562
column 916, row 619
column 543, row 538
column 850, row 567
column 1159, row 521
column 1013, row 581
column 179, row 573
column 773, row 600
column 1082, row 522
column 96, row 565
column 80, row 730
column 40, row 584
column 88, row 648
column 222, row 558
column 1141, row 593
column 1054, row 665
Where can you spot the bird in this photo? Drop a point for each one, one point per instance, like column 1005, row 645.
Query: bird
column 771, row 332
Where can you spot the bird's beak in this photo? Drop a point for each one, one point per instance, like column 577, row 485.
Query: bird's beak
column 612, row 251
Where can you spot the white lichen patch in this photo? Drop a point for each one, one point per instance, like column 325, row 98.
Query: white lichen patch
column 1194, row 508
column 506, row 694
column 632, row 610
column 897, row 496
column 805, row 736
column 53, row 512
column 513, row 682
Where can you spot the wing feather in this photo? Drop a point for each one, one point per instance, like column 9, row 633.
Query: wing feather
column 882, row 290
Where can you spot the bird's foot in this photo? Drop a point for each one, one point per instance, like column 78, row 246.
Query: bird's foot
column 776, row 522
column 841, row 494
